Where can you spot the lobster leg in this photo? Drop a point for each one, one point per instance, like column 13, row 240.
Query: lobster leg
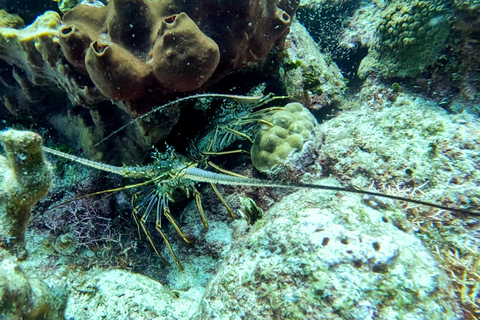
column 166, row 213
column 198, row 201
column 219, row 195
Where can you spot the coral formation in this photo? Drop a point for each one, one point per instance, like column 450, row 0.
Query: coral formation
column 134, row 53
column 410, row 36
column 372, row 128
column 25, row 178
column 292, row 127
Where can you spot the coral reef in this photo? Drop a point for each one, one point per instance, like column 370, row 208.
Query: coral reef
column 291, row 128
column 410, row 36
column 439, row 161
column 372, row 249
column 136, row 54
column 25, row 178
column 314, row 254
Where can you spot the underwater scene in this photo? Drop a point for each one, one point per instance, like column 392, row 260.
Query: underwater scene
column 267, row 159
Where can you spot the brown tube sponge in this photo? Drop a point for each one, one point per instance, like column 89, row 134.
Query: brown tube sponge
column 74, row 44
column 147, row 52
column 184, row 58
column 116, row 72
column 130, row 24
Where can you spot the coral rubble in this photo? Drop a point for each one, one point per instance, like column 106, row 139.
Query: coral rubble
column 25, row 178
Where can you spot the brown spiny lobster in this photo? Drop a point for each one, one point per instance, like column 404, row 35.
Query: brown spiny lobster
column 170, row 172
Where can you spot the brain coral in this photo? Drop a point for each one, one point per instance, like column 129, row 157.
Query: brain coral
column 291, row 128
column 410, row 36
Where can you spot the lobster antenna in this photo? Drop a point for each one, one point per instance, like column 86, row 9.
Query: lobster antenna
column 233, row 97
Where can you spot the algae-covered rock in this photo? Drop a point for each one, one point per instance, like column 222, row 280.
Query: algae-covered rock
column 410, row 36
column 10, row 20
column 25, row 177
column 24, row 297
column 119, row 294
column 318, row 255
column 291, row 128
column 306, row 71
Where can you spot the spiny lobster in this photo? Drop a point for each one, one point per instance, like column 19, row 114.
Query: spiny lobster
column 170, row 172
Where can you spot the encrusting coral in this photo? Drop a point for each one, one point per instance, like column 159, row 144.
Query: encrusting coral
column 25, row 177
column 410, row 37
